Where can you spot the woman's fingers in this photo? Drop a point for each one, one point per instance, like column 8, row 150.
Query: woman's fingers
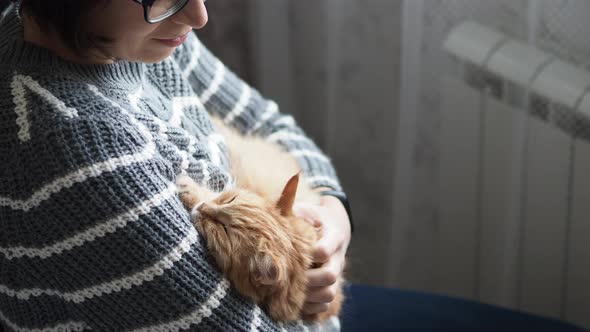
column 325, row 275
column 322, row 294
column 326, row 247
column 315, row 308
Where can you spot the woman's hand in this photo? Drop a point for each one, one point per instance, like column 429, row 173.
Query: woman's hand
column 329, row 252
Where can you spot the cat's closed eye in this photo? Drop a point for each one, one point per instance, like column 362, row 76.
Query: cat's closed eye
column 229, row 199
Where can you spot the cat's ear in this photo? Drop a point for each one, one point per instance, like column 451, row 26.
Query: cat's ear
column 215, row 212
column 266, row 269
column 225, row 218
column 285, row 203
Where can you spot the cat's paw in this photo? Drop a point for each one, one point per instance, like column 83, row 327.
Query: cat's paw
column 183, row 182
column 187, row 190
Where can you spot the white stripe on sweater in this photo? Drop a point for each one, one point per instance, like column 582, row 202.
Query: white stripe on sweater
column 113, row 286
column 60, row 106
column 18, row 97
column 286, row 136
column 184, row 161
column 192, row 145
column 215, row 84
column 162, row 128
column 133, row 99
column 162, row 133
column 335, row 322
column 196, row 54
column 78, row 176
column 313, row 181
column 60, row 327
column 91, row 234
column 18, row 92
column 240, row 105
column 195, row 318
column 205, row 170
column 309, row 154
column 282, row 326
column 302, row 325
column 213, row 141
column 256, row 321
column 184, row 155
column 285, row 120
column 178, row 106
column 271, row 109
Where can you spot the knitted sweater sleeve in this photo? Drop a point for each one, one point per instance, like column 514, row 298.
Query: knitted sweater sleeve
column 95, row 237
column 242, row 107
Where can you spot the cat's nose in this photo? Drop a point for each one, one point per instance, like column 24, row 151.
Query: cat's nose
column 197, row 210
column 203, row 207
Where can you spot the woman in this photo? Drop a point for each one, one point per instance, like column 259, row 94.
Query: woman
column 102, row 104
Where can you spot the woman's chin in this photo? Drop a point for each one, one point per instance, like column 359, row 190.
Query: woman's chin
column 155, row 57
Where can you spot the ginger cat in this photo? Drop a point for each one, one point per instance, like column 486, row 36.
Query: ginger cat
column 251, row 231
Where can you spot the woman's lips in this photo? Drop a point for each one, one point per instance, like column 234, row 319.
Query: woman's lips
column 175, row 42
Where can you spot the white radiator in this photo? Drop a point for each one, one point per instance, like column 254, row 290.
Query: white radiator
column 514, row 214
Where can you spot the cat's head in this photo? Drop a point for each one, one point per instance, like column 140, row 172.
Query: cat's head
column 249, row 236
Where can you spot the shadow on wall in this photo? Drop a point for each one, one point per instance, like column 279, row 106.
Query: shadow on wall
column 227, row 35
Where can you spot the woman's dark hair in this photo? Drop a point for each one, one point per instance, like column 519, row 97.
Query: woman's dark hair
column 68, row 18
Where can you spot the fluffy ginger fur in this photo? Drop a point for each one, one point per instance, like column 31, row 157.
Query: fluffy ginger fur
column 251, row 231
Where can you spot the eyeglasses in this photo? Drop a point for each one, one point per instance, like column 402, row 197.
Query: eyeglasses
column 155, row 11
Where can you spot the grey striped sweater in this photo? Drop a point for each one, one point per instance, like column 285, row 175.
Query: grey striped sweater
column 92, row 233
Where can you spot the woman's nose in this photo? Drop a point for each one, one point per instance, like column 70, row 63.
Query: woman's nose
column 194, row 14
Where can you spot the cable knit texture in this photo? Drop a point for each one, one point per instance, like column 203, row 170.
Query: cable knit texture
column 92, row 233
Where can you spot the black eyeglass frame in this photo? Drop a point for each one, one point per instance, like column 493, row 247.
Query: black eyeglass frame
column 147, row 4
